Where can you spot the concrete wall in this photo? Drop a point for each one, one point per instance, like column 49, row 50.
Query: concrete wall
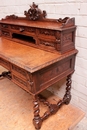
column 57, row 9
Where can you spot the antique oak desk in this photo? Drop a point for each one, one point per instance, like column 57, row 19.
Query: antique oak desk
column 38, row 52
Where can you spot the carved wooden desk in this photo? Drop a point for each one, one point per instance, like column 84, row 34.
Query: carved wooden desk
column 38, row 54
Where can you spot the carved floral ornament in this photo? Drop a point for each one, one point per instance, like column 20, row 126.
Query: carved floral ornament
column 34, row 13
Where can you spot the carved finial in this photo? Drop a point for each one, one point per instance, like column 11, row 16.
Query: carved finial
column 34, row 13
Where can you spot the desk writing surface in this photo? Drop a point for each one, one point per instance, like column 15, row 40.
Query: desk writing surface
column 27, row 57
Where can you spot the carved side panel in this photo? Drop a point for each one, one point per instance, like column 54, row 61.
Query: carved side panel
column 67, row 38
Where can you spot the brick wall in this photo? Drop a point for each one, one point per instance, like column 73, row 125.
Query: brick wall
column 57, row 9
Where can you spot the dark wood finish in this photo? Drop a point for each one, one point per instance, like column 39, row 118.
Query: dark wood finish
column 38, row 52
column 37, row 121
column 30, row 73
column 52, row 108
column 34, row 13
column 55, row 35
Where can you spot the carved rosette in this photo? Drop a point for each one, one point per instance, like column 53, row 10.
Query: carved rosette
column 34, row 13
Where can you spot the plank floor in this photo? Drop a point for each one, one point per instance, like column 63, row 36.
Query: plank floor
column 16, row 110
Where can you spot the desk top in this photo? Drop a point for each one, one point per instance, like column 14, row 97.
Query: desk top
column 29, row 58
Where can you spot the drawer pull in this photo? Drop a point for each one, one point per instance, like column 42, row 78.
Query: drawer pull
column 58, row 41
column 21, row 29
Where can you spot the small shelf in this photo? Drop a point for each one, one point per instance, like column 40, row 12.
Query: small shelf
column 23, row 37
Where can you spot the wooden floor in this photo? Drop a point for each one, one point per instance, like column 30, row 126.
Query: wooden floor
column 16, row 111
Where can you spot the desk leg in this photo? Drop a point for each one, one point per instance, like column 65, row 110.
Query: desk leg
column 37, row 119
column 67, row 96
column 52, row 108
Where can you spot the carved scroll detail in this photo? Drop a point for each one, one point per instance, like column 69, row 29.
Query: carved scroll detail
column 63, row 20
column 34, row 13
column 11, row 17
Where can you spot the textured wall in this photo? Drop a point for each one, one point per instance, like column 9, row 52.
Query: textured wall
column 57, row 9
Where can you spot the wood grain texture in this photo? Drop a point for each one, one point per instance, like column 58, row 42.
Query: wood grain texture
column 27, row 57
column 54, row 35
column 27, row 49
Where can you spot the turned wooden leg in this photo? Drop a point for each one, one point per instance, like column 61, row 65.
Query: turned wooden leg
column 52, row 108
column 67, row 96
column 37, row 120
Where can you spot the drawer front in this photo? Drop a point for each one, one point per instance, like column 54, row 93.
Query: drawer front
column 19, row 71
column 49, row 45
column 5, row 33
column 14, row 27
column 22, row 29
column 5, row 63
column 46, row 33
column 30, row 30
column 57, row 71
column 21, row 82
column 5, row 26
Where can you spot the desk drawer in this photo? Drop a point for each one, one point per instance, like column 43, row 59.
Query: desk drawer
column 5, row 63
column 23, row 29
column 5, row 33
column 5, row 26
column 21, row 82
column 19, row 71
column 46, row 33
